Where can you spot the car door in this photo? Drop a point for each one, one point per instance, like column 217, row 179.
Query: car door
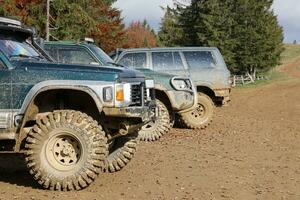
column 5, row 95
column 168, row 62
column 201, row 65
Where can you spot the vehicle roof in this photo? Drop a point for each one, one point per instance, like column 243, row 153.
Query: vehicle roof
column 66, row 42
column 168, row 49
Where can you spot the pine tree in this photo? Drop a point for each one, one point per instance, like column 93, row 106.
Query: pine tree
column 209, row 23
column 246, row 31
column 68, row 17
column 258, row 34
column 170, row 31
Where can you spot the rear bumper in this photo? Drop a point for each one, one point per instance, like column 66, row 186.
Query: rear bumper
column 224, row 94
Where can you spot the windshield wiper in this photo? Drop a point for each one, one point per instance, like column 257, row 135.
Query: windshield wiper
column 115, row 64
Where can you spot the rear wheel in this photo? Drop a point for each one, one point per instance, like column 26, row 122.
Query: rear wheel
column 121, row 153
column 66, row 150
column 201, row 116
column 156, row 129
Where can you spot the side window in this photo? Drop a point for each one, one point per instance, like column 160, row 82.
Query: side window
column 177, row 61
column 75, row 56
column 199, row 59
column 167, row 61
column 137, row 60
column 52, row 51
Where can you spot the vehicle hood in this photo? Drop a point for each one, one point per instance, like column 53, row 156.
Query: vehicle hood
column 116, row 72
column 155, row 74
column 162, row 79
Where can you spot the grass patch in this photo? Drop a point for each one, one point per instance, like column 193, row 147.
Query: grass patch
column 291, row 52
column 272, row 75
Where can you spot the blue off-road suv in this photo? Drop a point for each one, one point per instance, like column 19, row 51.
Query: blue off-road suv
column 71, row 121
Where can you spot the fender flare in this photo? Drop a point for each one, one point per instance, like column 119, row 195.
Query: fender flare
column 87, row 87
column 84, row 86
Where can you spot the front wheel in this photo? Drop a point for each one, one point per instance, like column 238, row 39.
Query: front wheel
column 201, row 116
column 66, row 150
column 154, row 130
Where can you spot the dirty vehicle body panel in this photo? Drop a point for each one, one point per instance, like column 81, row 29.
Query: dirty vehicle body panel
column 66, row 118
column 23, row 78
column 181, row 100
column 174, row 94
column 205, row 66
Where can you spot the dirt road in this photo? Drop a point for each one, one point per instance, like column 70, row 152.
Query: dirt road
column 251, row 151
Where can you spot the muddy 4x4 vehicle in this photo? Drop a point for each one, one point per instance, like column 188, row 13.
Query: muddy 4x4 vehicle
column 174, row 94
column 65, row 118
column 205, row 66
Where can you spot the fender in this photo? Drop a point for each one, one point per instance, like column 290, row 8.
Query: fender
column 161, row 88
column 171, row 100
column 204, row 84
column 93, row 88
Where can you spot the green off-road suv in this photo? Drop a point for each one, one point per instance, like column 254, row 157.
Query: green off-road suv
column 175, row 95
column 205, row 66
column 71, row 121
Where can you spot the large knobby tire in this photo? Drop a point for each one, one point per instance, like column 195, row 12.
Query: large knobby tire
column 121, row 153
column 154, row 130
column 201, row 116
column 66, row 150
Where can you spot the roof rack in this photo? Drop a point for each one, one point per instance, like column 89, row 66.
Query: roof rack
column 9, row 21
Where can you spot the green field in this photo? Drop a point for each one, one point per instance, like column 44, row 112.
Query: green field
column 290, row 53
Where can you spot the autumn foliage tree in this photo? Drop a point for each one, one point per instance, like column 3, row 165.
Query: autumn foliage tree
column 140, row 34
column 71, row 19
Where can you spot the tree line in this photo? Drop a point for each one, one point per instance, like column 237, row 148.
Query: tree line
column 246, row 31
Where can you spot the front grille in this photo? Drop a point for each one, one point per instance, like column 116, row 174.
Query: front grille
column 138, row 94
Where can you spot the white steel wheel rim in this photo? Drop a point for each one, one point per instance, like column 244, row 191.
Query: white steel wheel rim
column 64, row 151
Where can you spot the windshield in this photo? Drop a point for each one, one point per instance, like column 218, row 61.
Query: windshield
column 104, row 58
column 17, row 47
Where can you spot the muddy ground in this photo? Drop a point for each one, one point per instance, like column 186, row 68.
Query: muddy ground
column 251, row 151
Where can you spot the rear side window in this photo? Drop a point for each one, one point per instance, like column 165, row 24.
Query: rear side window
column 199, row 59
column 166, row 61
column 75, row 56
column 136, row 60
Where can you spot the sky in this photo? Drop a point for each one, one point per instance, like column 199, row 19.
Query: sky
column 288, row 12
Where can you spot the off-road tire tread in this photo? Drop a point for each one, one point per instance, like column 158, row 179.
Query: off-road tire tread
column 185, row 121
column 89, row 171
column 122, row 155
column 163, row 127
